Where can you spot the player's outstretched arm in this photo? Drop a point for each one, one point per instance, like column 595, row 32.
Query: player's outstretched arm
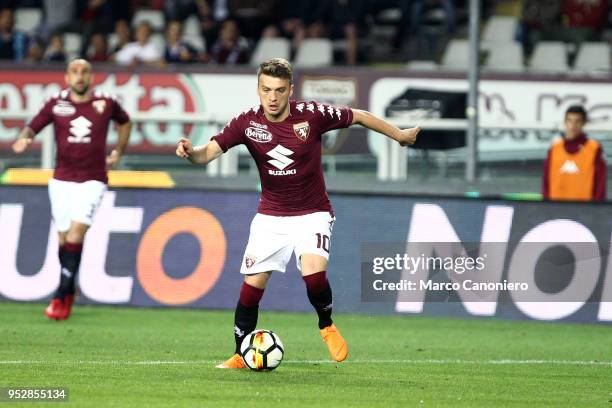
column 199, row 154
column 123, row 131
column 24, row 140
column 403, row 136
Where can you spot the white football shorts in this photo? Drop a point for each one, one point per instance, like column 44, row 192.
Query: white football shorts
column 71, row 201
column 273, row 239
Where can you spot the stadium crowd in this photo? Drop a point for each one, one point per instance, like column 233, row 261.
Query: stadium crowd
column 570, row 21
column 228, row 30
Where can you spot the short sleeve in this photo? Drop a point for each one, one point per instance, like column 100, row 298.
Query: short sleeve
column 118, row 114
column 231, row 135
column 43, row 117
column 331, row 117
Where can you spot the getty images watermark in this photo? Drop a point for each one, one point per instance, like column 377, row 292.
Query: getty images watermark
column 447, row 272
column 456, row 265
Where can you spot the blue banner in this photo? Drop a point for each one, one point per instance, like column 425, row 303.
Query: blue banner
column 185, row 247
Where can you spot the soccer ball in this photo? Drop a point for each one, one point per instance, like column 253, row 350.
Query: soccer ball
column 262, row 350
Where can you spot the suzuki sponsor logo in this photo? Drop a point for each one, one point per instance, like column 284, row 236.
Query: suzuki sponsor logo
column 281, row 161
column 80, row 129
column 282, row 172
column 258, row 135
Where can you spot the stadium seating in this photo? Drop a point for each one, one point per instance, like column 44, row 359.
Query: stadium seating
column 314, row 52
column 593, row 57
column 154, row 17
column 500, row 29
column 27, row 19
column 112, row 40
column 549, row 56
column 422, row 65
column 456, row 55
column 196, row 41
column 159, row 41
column 72, row 44
column 191, row 27
column 269, row 48
column 506, row 56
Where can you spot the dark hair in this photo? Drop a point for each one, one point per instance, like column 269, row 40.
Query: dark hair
column 277, row 68
column 145, row 23
column 579, row 109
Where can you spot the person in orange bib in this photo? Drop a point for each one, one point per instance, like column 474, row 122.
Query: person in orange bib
column 575, row 168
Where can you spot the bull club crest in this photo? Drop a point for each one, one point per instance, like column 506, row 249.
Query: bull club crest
column 99, row 106
column 249, row 261
column 302, row 130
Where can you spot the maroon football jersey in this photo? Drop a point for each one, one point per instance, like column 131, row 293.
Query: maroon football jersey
column 80, row 134
column 287, row 154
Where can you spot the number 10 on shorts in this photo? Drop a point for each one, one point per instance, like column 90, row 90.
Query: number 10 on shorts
column 323, row 242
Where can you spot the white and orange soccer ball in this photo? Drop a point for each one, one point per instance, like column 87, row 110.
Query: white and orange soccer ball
column 262, row 350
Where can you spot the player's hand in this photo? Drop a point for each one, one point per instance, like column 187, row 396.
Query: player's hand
column 21, row 144
column 184, row 148
column 408, row 136
column 113, row 159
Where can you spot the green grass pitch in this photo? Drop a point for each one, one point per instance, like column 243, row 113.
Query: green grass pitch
column 129, row 357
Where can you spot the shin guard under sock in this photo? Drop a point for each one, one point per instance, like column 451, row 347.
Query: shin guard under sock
column 320, row 295
column 247, row 310
column 70, row 260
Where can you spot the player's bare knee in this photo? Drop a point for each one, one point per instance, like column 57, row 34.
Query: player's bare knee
column 258, row 280
column 76, row 233
column 311, row 263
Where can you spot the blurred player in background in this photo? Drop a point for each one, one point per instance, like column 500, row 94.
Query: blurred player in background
column 80, row 120
column 575, row 168
column 294, row 214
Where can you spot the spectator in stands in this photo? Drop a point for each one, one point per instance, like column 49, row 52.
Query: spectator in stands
column 575, row 168
column 177, row 50
column 253, row 16
column 339, row 19
column 35, row 52
column 584, row 18
column 294, row 17
column 147, row 4
column 212, row 14
column 141, row 51
column 97, row 51
column 55, row 51
column 179, row 9
column 540, row 19
column 99, row 16
column 13, row 44
column 123, row 34
column 404, row 22
column 58, row 15
column 230, row 48
column 422, row 10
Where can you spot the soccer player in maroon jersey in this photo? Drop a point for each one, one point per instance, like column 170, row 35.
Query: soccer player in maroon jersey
column 80, row 120
column 294, row 214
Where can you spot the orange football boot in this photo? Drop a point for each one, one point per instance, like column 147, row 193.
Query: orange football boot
column 234, row 361
column 338, row 349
